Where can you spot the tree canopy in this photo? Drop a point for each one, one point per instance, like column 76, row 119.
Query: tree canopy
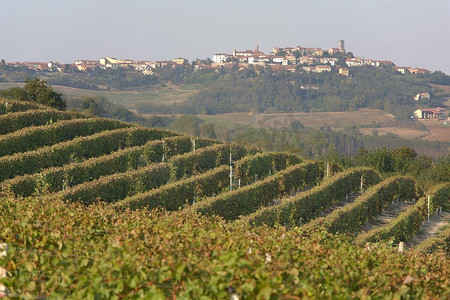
column 36, row 90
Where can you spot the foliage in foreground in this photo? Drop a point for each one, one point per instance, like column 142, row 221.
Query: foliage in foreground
column 68, row 250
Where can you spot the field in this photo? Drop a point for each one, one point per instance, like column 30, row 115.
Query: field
column 431, row 130
column 158, row 94
column 428, row 130
column 96, row 208
column 317, row 119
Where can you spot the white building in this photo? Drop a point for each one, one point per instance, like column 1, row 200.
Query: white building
column 332, row 61
column 278, row 59
column 220, row 57
column 354, row 62
column 422, row 96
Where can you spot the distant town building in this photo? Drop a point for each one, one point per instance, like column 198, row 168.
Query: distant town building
column 403, row 70
column 220, row 57
column 320, row 69
column 430, row 113
column 247, row 53
column 114, row 63
column 180, row 61
column 341, row 45
column 163, row 63
column 332, row 61
column 354, row 62
column 83, row 65
column 278, row 59
column 422, row 96
column 344, row 72
column 418, row 71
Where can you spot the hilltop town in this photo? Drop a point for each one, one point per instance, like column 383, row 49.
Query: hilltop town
column 291, row 59
column 295, row 60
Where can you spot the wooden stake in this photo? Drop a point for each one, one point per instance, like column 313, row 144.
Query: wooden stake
column 164, row 151
column 362, row 182
column 231, row 173
column 401, row 245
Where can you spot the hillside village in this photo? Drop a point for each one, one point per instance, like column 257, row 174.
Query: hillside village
column 336, row 61
column 292, row 59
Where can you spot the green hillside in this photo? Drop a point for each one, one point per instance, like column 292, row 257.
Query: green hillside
column 101, row 209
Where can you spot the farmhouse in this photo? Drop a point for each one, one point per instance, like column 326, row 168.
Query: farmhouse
column 430, row 113
column 422, row 96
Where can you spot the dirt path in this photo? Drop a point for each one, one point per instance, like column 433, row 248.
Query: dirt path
column 388, row 215
column 348, row 200
column 430, row 229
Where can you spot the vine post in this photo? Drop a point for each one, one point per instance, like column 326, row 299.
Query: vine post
column 164, row 150
column 362, row 183
column 231, row 173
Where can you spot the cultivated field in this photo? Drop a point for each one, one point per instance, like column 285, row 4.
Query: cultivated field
column 431, row 130
column 312, row 119
column 158, row 94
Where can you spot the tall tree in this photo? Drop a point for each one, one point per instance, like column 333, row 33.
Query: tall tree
column 36, row 90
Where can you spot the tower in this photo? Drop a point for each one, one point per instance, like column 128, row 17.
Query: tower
column 341, row 45
column 256, row 48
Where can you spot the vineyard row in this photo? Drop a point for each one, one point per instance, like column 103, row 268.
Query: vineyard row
column 248, row 199
column 77, row 149
column 58, row 178
column 31, row 138
column 408, row 223
column 307, row 205
column 174, row 195
column 14, row 121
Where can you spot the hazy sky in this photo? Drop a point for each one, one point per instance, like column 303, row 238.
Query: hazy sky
column 412, row 33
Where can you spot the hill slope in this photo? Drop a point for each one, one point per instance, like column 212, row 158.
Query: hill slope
column 76, row 214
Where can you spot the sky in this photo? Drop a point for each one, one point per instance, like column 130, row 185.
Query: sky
column 411, row 33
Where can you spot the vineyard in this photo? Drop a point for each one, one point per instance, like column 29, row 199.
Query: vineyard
column 97, row 208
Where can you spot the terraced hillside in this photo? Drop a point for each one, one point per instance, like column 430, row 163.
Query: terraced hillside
column 79, row 193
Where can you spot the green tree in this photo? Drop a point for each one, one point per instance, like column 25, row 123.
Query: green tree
column 208, row 130
column 36, row 90
column 187, row 124
column 403, row 157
